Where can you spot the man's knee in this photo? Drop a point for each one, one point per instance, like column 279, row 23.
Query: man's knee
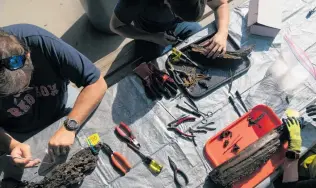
column 187, row 29
column 194, row 27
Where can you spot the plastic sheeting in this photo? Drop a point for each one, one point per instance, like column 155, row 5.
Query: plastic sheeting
column 274, row 76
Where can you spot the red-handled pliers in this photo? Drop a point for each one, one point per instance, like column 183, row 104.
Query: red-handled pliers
column 173, row 125
column 126, row 133
column 180, row 120
column 116, row 158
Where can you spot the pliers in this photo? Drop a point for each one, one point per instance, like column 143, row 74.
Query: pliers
column 118, row 160
column 206, row 126
column 174, row 124
column 177, row 172
column 126, row 133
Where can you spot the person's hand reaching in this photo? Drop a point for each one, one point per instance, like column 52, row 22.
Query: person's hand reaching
column 22, row 157
column 294, row 130
column 216, row 45
column 60, row 142
column 311, row 111
column 162, row 39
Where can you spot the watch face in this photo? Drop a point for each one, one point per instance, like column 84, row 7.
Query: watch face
column 72, row 124
column 291, row 155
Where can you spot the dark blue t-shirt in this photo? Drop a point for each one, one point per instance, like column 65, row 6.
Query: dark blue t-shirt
column 55, row 64
column 149, row 15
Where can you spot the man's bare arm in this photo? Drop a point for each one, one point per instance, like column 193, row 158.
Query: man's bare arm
column 127, row 30
column 86, row 102
column 88, row 99
column 221, row 9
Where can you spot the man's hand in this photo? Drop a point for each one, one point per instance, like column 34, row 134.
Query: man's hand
column 216, row 45
column 60, row 142
column 294, row 130
column 21, row 156
column 162, row 39
column 311, row 111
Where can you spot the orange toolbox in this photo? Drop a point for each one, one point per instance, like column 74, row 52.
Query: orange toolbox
column 243, row 134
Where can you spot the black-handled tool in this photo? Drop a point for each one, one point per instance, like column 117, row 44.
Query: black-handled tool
column 206, row 126
column 152, row 164
column 193, row 137
column 240, row 100
column 188, row 111
column 177, row 172
column 231, row 101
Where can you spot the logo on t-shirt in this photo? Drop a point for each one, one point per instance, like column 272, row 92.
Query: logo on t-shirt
column 24, row 102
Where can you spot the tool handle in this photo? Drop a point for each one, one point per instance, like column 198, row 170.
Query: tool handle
column 126, row 127
column 188, row 111
column 234, row 105
column 122, row 134
column 178, row 172
column 200, row 131
column 185, row 119
column 155, row 166
column 182, row 133
column 136, row 150
column 117, row 156
column 241, row 101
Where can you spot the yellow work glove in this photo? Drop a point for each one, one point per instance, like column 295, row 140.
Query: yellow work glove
column 308, row 161
column 294, row 130
column 310, row 165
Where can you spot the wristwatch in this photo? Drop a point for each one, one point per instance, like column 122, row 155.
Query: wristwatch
column 71, row 124
column 292, row 155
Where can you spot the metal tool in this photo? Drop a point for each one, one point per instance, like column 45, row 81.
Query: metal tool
column 30, row 160
column 238, row 96
column 117, row 160
column 177, row 55
column 126, row 133
column 153, row 165
column 205, row 116
column 174, row 124
column 310, row 13
column 198, row 131
column 177, row 172
column 188, row 111
column 231, row 80
column 231, row 101
column 182, row 119
column 206, row 126
column 176, row 76
column 193, row 137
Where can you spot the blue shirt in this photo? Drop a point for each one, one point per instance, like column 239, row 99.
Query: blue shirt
column 55, row 64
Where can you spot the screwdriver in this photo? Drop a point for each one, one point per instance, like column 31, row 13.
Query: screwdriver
column 153, row 165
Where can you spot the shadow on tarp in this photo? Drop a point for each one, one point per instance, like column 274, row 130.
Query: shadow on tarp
column 261, row 42
column 89, row 41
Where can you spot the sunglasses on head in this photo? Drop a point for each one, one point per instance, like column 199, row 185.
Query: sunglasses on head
column 14, row 62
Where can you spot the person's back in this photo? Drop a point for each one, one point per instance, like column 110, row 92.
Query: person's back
column 153, row 15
